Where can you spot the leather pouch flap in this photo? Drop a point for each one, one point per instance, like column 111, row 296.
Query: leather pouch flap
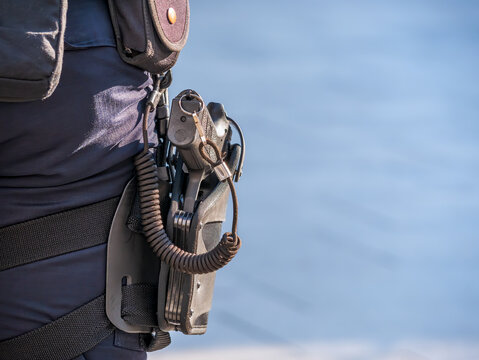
column 171, row 19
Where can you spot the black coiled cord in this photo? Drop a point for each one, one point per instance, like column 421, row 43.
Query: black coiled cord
column 154, row 229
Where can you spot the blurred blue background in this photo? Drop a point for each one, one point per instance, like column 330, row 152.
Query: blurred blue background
column 359, row 205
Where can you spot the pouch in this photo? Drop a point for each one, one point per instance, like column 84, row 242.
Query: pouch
column 146, row 35
column 31, row 48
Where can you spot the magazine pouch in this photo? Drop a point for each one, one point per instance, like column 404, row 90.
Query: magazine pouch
column 150, row 33
column 31, row 48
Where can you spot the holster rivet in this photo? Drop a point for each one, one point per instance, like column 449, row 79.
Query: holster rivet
column 171, row 15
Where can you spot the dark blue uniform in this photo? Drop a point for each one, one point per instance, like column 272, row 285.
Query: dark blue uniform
column 73, row 149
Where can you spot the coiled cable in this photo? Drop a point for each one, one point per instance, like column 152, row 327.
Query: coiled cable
column 152, row 223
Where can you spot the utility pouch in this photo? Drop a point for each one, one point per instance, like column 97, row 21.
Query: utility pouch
column 31, row 48
column 150, row 33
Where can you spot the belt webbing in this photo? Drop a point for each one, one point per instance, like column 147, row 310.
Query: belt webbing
column 56, row 234
column 77, row 332
column 65, row 338
column 139, row 304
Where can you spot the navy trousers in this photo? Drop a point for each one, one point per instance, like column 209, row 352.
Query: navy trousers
column 74, row 148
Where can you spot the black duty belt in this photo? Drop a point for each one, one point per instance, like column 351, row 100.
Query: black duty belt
column 56, row 234
column 80, row 330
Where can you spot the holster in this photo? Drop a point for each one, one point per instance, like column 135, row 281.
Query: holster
column 193, row 214
column 184, row 300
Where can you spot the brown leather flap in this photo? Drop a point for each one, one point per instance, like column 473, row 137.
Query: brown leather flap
column 171, row 19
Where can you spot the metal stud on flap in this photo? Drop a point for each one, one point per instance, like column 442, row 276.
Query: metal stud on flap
column 171, row 15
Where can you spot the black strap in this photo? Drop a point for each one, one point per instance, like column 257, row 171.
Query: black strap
column 65, row 338
column 139, row 304
column 64, row 232
column 77, row 332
